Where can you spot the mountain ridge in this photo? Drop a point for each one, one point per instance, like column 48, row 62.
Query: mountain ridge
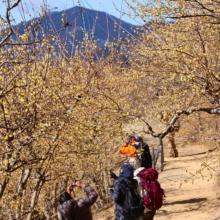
column 99, row 25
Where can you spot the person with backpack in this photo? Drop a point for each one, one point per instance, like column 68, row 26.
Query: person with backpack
column 149, row 190
column 138, row 151
column 77, row 209
column 128, row 204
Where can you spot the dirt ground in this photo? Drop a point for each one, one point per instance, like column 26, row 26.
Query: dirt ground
column 189, row 194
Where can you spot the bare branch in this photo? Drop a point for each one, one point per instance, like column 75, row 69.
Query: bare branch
column 8, row 21
column 2, row 95
column 188, row 112
column 203, row 7
column 13, row 62
column 191, row 16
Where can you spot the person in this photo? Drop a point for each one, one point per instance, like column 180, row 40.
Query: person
column 145, row 157
column 149, row 214
column 119, row 191
column 171, row 141
column 131, row 147
column 77, row 209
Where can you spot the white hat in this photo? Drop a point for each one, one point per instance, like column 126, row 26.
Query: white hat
column 137, row 171
column 138, row 137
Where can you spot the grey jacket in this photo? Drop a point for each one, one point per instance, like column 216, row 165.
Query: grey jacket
column 79, row 209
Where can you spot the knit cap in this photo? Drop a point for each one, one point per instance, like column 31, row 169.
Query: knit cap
column 126, row 170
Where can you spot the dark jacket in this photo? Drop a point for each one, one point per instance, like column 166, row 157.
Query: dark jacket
column 79, row 209
column 118, row 194
column 145, row 158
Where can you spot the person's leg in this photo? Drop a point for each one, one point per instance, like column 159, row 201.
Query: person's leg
column 149, row 215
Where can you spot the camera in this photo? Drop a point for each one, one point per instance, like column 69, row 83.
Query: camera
column 73, row 184
column 129, row 137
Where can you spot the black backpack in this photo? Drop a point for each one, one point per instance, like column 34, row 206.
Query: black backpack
column 132, row 206
column 144, row 155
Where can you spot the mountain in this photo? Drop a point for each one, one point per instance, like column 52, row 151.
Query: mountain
column 80, row 22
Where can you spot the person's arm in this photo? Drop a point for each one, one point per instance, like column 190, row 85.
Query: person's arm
column 116, row 194
column 91, row 195
column 70, row 189
column 124, row 145
column 113, row 176
column 127, row 150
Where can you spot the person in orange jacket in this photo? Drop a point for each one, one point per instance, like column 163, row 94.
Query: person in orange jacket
column 128, row 148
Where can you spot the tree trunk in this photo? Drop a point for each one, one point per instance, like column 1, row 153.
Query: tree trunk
column 216, row 129
column 153, row 157
column 35, row 195
column 21, row 190
column 106, row 185
column 55, row 200
column 161, row 155
column 99, row 190
column 3, row 185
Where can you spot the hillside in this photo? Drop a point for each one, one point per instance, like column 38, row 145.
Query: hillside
column 82, row 23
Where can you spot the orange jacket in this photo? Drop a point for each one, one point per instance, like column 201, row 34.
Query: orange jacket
column 128, row 150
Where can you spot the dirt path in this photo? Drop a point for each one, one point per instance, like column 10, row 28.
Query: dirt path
column 185, row 198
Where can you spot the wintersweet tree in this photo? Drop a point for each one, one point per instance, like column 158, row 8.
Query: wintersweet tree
column 174, row 62
column 61, row 112
column 58, row 116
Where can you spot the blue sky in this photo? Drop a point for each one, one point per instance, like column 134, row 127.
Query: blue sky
column 101, row 5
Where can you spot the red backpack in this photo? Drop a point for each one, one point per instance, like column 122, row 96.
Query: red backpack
column 153, row 194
